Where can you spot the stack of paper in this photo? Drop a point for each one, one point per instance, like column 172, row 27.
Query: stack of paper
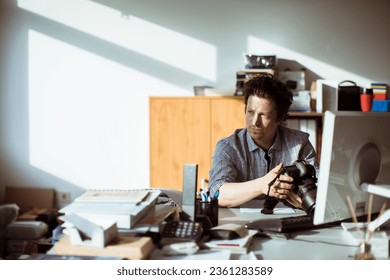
column 125, row 207
column 236, row 245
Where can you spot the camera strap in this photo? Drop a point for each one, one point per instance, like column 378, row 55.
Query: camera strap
column 268, row 160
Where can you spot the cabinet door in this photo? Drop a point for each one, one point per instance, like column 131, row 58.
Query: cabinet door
column 227, row 115
column 179, row 134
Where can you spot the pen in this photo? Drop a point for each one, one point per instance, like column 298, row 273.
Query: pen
column 208, row 195
column 204, row 196
column 216, row 195
column 206, row 191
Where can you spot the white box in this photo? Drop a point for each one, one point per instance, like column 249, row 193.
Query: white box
column 84, row 232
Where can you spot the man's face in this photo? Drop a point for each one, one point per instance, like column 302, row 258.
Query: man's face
column 261, row 121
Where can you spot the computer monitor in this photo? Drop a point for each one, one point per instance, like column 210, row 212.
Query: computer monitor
column 355, row 150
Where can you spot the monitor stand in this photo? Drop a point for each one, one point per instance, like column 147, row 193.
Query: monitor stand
column 384, row 216
column 382, row 190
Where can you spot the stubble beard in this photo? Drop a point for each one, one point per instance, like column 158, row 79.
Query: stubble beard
column 257, row 134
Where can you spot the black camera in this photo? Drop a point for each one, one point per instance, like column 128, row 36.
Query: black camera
column 305, row 180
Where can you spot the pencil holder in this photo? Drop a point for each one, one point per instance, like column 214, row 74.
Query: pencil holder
column 207, row 212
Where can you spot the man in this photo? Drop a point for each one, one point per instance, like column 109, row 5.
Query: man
column 248, row 160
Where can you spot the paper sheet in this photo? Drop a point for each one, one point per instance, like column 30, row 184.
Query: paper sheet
column 276, row 210
column 113, row 195
column 200, row 255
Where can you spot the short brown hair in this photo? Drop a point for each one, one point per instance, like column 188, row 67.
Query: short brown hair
column 267, row 86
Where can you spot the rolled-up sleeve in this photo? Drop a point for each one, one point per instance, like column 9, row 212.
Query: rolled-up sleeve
column 223, row 168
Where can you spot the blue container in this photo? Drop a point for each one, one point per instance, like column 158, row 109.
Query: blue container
column 380, row 106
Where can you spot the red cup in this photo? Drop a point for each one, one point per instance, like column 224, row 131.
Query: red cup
column 366, row 102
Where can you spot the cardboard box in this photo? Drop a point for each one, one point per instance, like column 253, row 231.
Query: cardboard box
column 30, row 198
column 126, row 247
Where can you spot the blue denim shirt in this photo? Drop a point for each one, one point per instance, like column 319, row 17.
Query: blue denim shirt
column 238, row 159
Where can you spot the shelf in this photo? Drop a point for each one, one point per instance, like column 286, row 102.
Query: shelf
column 305, row 114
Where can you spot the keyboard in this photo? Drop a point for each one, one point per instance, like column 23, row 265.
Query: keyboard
column 284, row 225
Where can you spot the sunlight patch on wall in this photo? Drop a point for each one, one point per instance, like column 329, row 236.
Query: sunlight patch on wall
column 326, row 71
column 83, row 122
column 162, row 44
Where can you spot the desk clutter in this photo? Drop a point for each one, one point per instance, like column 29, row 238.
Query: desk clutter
column 131, row 224
column 169, row 234
column 91, row 227
column 92, row 223
column 164, row 232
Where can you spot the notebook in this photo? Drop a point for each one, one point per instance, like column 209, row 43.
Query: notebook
column 133, row 196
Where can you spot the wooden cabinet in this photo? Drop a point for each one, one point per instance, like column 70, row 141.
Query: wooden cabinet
column 179, row 134
column 186, row 130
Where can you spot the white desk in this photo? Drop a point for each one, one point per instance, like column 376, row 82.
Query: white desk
column 320, row 244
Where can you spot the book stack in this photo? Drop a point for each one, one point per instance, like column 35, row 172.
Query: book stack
column 379, row 90
column 124, row 207
column 380, row 101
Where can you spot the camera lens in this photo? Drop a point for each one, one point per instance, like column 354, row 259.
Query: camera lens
column 308, row 193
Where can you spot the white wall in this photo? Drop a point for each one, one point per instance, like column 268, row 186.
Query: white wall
column 76, row 75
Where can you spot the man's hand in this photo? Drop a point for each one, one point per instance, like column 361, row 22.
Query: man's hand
column 294, row 200
column 282, row 187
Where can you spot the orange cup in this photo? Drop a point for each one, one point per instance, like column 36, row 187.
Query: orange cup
column 366, row 102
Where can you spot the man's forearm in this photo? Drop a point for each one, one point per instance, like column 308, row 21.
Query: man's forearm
column 235, row 194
